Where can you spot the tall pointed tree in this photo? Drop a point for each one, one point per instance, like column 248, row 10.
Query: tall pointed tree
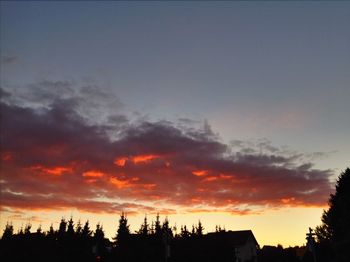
column 39, row 230
column 123, row 232
column 336, row 220
column 157, row 226
column 78, row 228
column 51, row 233
column 166, row 229
column 27, row 228
column 86, row 232
column 144, row 229
column 199, row 229
column 8, row 231
column 62, row 227
column 99, row 235
column 70, row 227
column 335, row 227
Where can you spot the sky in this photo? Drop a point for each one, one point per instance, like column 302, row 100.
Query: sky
column 232, row 113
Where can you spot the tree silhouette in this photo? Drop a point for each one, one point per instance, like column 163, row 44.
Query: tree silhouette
column 39, row 230
column 184, row 232
column 336, row 220
column 79, row 228
column 62, row 228
column 8, row 231
column 199, row 229
column 72, row 243
column 166, row 229
column 123, row 232
column 144, row 230
column 70, row 228
column 51, row 234
column 86, row 232
column 99, row 235
column 193, row 231
column 157, row 226
column 27, row 229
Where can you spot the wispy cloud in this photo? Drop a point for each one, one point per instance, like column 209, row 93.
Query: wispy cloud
column 55, row 157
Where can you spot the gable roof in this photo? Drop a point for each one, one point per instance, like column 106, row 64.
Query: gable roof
column 236, row 238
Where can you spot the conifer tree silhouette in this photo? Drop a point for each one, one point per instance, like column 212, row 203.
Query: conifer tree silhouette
column 335, row 227
column 86, row 232
column 144, row 229
column 123, row 232
column 199, row 229
column 8, row 231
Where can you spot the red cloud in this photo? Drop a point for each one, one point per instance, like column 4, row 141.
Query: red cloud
column 54, row 159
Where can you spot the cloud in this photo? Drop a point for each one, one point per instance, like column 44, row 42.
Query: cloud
column 53, row 157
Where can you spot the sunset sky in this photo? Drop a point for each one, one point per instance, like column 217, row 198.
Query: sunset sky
column 234, row 113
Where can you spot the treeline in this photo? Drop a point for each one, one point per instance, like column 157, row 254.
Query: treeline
column 67, row 243
column 152, row 242
column 78, row 242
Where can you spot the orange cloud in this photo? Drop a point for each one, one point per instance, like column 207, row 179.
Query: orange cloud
column 93, row 174
column 219, row 176
column 55, row 171
column 120, row 161
column 289, row 200
column 200, row 172
column 120, row 183
column 210, row 178
column 143, row 158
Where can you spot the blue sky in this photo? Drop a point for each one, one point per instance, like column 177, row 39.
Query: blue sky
column 273, row 71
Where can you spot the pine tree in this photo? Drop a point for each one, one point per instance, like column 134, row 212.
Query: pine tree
column 79, row 228
column 184, row 232
column 62, row 227
column 199, row 229
column 98, row 238
column 152, row 228
column 70, row 227
column 27, row 229
column 20, row 231
column 193, row 232
column 157, row 227
column 123, row 232
column 335, row 228
column 51, row 234
column 336, row 220
column 86, row 232
column 99, row 235
column 8, row 231
column 39, row 230
column 144, row 229
column 166, row 229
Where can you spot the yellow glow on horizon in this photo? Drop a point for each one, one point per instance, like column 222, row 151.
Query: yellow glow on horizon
column 286, row 226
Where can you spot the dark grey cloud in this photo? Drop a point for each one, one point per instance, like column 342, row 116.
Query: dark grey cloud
column 54, row 154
